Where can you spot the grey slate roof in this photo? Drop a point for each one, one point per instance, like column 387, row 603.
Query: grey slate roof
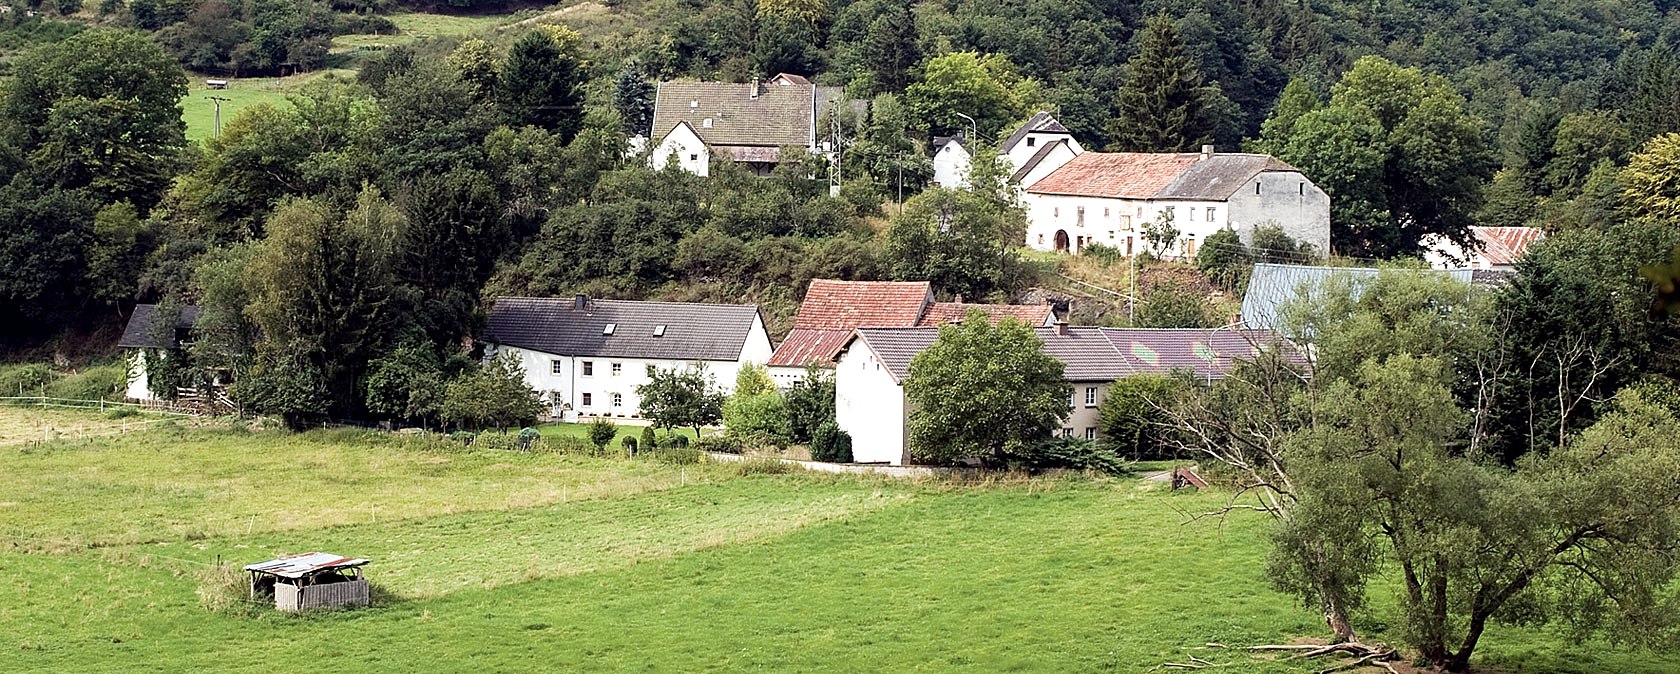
column 1093, row 354
column 1037, row 158
column 1085, row 352
column 692, row 331
column 1040, row 122
column 1220, row 175
column 896, row 346
column 780, row 115
column 143, row 333
column 1271, row 286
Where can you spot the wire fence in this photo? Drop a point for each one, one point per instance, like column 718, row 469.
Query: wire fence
column 155, row 407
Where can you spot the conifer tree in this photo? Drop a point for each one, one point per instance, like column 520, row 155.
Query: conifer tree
column 1163, row 106
column 541, row 84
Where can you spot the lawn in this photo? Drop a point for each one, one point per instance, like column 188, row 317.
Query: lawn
column 416, row 26
column 199, row 110
column 525, row 562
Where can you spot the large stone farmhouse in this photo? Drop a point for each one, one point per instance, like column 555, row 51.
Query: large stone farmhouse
column 874, row 363
column 586, row 357
column 833, row 309
column 749, row 124
column 1109, row 197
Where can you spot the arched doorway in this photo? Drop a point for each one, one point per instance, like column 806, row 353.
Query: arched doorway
column 1061, row 241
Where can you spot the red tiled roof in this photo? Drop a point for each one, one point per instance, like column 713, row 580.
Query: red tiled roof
column 843, row 305
column 950, row 312
column 1137, row 175
column 806, row 346
column 1505, row 245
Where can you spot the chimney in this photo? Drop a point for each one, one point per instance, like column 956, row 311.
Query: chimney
column 959, row 298
column 755, row 90
column 1207, row 151
column 1061, row 328
column 580, row 302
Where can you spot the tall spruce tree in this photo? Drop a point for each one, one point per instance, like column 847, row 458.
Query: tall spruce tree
column 1163, row 106
column 892, row 49
column 633, row 98
column 541, row 84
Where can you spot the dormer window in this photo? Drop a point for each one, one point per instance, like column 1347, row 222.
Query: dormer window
column 694, row 104
column 659, row 331
column 707, row 123
column 609, row 329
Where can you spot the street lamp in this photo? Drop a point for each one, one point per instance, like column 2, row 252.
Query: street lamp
column 973, row 130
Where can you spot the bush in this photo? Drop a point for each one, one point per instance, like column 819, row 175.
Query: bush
column 1072, row 453
column 1129, row 413
column 761, row 416
column 629, row 443
column 829, row 444
column 122, row 413
column 649, row 443
column 674, row 441
column 529, row 438
column 464, row 437
column 25, row 380
column 602, row 431
column 1108, row 254
column 507, row 442
column 681, row 456
column 719, row 444
column 1225, row 260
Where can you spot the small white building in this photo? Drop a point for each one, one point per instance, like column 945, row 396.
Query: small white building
column 750, row 123
column 1040, row 146
column 952, row 161
column 586, row 356
column 1109, row 197
column 1496, row 249
column 149, row 336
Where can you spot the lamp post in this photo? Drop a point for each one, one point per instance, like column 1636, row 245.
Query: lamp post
column 973, row 129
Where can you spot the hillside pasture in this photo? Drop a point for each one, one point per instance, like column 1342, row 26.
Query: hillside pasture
column 502, row 561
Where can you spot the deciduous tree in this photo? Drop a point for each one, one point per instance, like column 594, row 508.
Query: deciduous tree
column 983, row 391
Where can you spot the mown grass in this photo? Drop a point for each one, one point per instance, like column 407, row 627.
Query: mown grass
column 416, row 26
column 199, row 111
column 712, row 572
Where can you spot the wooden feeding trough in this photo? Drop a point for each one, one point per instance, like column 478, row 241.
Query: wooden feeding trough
column 310, row 580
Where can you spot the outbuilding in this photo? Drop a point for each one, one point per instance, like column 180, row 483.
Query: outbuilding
column 310, row 580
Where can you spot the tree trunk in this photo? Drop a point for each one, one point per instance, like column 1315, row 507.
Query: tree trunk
column 1336, row 618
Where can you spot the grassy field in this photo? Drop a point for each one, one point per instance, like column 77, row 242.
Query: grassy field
column 524, row 562
column 416, row 26
column 199, row 110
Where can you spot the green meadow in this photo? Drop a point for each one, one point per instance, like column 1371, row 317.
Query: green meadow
column 503, row 561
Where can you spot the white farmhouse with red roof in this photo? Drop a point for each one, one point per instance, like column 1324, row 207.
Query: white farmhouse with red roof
column 833, row 309
column 1496, row 249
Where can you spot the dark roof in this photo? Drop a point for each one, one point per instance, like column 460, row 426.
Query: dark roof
column 140, row 332
column 1271, row 286
column 939, row 142
column 1040, row 122
column 691, row 331
column 1093, row 354
column 1037, row 158
column 1156, row 175
column 779, row 115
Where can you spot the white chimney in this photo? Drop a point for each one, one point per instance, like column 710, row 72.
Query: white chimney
column 755, row 89
column 1207, row 151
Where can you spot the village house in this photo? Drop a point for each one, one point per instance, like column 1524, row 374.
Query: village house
column 750, row 124
column 586, row 357
column 149, row 337
column 871, row 368
column 833, row 309
column 1496, row 249
column 1040, row 146
column 952, row 160
column 1110, row 197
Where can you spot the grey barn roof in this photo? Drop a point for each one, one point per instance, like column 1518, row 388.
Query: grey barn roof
column 142, row 331
column 691, row 331
column 1271, row 286
column 779, row 115
column 1092, row 354
column 1040, row 122
column 1220, row 175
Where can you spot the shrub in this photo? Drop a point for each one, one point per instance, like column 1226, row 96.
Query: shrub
column 1073, row 453
column 684, row 455
column 564, row 444
column 674, row 441
column 1108, row 254
column 25, row 380
column 649, row 443
column 497, row 441
column 810, row 402
column 602, row 431
column 629, row 444
column 830, row 444
column 719, row 444
column 122, row 413
column 463, row 437
column 1129, row 413
column 528, row 438
column 1225, row 260
column 762, row 417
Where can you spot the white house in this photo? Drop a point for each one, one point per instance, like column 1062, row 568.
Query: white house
column 870, row 371
column 1042, row 144
column 695, row 123
column 952, row 161
column 1496, row 249
column 1108, row 198
column 586, row 356
column 148, row 337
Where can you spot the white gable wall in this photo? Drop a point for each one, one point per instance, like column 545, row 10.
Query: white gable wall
column 1288, row 199
column 1032, row 143
column 871, row 407
column 1064, row 153
column 139, row 383
column 684, row 146
column 951, row 166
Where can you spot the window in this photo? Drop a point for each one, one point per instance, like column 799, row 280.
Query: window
column 617, row 369
column 618, row 400
column 707, row 123
column 1210, row 214
column 1055, row 211
column 1128, row 246
column 659, row 331
column 1090, row 396
column 555, row 366
column 588, row 368
column 1105, row 211
column 1190, row 246
column 1090, row 433
column 1125, row 222
column 1067, row 432
column 609, row 329
column 1080, row 217
column 693, row 157
column 1031, row 141
column 1111, row 235
column 588, row 399
column 1303, row 189
column 1256, row 188
column 1192, row 215
column 1172, row 212
column 1041, row 239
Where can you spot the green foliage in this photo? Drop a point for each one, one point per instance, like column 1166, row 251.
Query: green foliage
column 1170, row 306
column 648, row 442
column 1068, row 453
column 633, row 99
column 602, row 431
column 1225, row 260
column 680, row 397
column 831, row 444
column 760, row 418
column 1161, row 235
column 1130, row 417
column 493, row 396
column 753, row 379
column 1164, row 106
column 629, row 443
column 983, row 391
column 985, row 87
column 25, row 380
column 406, row 383
column 960, row 240
column 541, row 83
column 286, row 385
column 1651, row 181
column 810, row 404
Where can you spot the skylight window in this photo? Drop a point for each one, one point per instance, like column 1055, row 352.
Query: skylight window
column 659, row 331
column 609, row 329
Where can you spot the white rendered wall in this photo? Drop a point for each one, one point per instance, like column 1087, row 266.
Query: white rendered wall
column 951, row 166
column 690, row 152
column 870, row 406
column 1111, row 221
column 139, row 384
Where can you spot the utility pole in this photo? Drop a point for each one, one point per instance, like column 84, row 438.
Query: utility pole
column 218, row 101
